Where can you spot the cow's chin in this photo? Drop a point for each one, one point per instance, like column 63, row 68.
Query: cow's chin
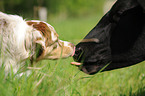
column 92, row 67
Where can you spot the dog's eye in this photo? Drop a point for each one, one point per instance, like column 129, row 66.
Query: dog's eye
column 55, row 46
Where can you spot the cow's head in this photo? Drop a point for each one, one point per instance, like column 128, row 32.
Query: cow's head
column 116, row 41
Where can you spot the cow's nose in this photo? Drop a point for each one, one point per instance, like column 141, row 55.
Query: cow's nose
column 78, row 53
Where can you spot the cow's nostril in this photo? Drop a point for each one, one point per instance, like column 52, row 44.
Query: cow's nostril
column 78, row 52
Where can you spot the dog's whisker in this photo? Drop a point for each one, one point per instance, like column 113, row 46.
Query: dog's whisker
column 37, row 68
column 39, row 82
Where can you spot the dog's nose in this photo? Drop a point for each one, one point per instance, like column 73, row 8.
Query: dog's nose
column 78, row 53
column 72, row 45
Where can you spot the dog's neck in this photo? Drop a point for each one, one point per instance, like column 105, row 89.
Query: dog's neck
column 31, row 46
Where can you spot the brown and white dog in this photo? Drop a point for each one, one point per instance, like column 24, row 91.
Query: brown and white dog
column 35, row 40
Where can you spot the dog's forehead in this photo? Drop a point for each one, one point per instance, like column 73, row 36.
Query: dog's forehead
column 45, row 29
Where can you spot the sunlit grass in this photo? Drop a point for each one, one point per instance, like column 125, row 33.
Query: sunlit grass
column 59, row 78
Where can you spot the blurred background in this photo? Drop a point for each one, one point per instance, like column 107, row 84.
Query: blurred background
column 50, row 9
column 68, row 17
column 31, row 8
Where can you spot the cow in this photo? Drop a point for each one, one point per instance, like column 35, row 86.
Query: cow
column 117, row 41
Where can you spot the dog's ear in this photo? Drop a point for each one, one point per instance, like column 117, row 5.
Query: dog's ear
column 46, row 30
column 39, row 50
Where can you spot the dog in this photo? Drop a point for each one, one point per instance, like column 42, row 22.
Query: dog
column 117, row 41
column 32, row 40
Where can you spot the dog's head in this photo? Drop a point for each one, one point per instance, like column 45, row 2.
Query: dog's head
column 48, row 46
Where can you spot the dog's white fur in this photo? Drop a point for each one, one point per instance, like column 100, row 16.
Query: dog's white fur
column 18, row 42
column 13, row 31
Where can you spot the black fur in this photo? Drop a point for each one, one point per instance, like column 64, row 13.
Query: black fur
column 121, row 34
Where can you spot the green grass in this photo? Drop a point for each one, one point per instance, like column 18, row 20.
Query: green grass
column 59, row 78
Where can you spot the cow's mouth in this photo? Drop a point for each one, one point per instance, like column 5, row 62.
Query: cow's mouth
column 87, row 60
column 91, row 67
column 87, row 67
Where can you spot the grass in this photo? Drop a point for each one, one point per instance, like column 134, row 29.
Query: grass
column 59, row 78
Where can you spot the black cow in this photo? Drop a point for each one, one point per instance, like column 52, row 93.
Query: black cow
column 118, row 39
